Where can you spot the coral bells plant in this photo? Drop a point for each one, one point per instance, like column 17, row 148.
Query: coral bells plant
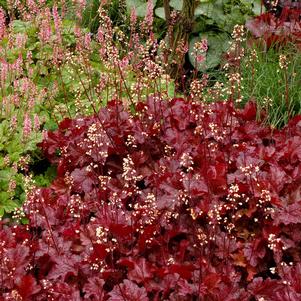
column 271, row 30
column 176, row 201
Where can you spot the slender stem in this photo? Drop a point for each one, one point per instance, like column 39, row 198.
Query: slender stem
column 125, row 85
column 50, row 231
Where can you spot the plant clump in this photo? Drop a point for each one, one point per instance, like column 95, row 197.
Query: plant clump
column 176, row 201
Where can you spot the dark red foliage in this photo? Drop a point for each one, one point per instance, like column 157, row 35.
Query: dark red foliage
column 277, row 30
column 180, row 201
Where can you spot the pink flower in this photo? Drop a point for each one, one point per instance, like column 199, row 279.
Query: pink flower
column 36, row 122
column 200, row 58
column 124, row 62
column 57, row 23
column 27, row 127
column 45, row 31
column 149, row 17
column 205, row 78
column 204, row 45
column 4, row 70
column 100, row 35
column 17, row 65
column 29, row 57
column 133, row 17
column 12, row 185
column 87, row 40
column 32, row 6
column 21, row 40
column 2, row 24
column 25, row 84
column 16, row 100
column 77, row 32
column 201, row 46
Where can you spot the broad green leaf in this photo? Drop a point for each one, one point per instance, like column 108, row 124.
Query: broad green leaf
column 257, row 7
column 50, row 125
column 5, row 175
column 206, row 9
column 24, row 221
column 19, row 26
column 139, row 5
column 3, row 4
column 176, row 4
column 31, row 144
column 219, row 17
column 160, row 12
column 4, row 196
column 200, row 25
column 9, row 206
column 15, row 148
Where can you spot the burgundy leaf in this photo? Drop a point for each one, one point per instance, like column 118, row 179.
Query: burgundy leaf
column 94, row 289
column 264, row 288
column 129, row 291
column 64, row 292
column 184, row 271
column 290, row 214
column 64, row 267
column 186, row 288
column 254, row 251
column 27, row 287
column 140, row 272
column 211, row 280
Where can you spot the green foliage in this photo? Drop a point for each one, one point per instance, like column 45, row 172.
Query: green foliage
column 117, row 10
column 139, row 5
column 14, row 159
column 3, row 4
column 214, row 19
column 16, row 150
column 268, row 86
column 90, row 15
column 45, row 179
column 276, row 91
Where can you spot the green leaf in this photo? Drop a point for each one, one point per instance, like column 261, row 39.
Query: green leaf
column 24, row 221
column 10, row 206
column 160, row 12
column 139, row 5
column 205, row 9
column 4, row 196
column 176, row 4
column 14, row 148
column 19, row 26
column 3, row 4
column 171, row 90
column 5, row 175
column 31, row 144
column 46, row 179
column 50, row 125
column 257, row 7
column 200, row 25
